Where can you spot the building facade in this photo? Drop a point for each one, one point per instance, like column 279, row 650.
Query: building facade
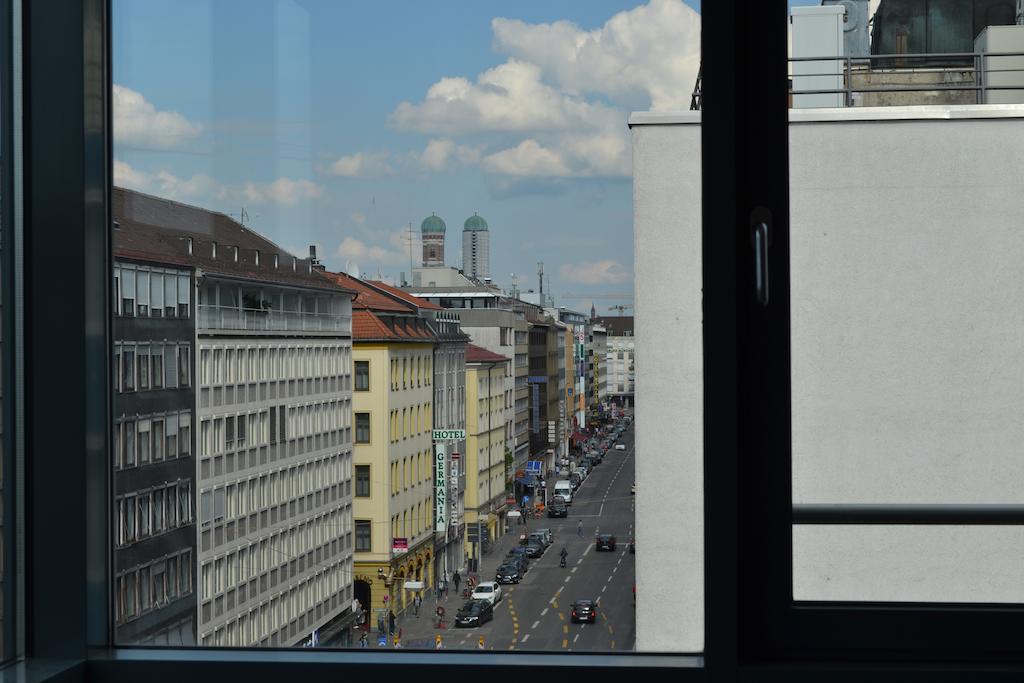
column 153, row 465
column 489, row 407
column 476, row 248
column 620, row 359
column 272, row 433
column 393, row 414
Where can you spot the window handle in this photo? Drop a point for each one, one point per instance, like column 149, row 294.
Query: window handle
column 760, row 241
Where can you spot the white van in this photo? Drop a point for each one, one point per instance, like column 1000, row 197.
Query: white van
column 563, row 488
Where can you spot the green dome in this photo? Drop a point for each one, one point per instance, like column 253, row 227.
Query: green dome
column 475, row 222
column 432, row 223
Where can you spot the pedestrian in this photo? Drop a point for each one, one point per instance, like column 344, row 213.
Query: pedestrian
column 579, row 528
column 416, row 605
column 391, row 622
column 456, row 578
column 364, row 641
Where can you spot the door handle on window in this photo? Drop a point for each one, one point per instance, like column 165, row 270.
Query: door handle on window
column 760, row 240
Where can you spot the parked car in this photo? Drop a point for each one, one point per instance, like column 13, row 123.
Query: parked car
column 584, row 610
column 620, row 446
column 508, row 572
column 487, row 590
column 519, row 554
column 558, row 510
column 474, row 613
column 534, row 548
column 543, row 538
column 583, row 469
column 549, row 535
column 605, row 542
column 520, row 561
column 575, row 479
column 564, row 488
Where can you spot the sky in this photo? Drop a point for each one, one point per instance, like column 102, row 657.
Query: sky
column 342, row 123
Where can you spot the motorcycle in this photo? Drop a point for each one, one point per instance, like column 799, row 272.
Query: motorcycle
column 561, row 562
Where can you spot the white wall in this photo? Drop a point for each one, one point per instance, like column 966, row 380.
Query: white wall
column 908, row 376
column 669, row 461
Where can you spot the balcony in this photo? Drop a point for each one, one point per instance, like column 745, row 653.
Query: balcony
column 260, row 320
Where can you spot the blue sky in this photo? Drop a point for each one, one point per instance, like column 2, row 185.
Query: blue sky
column 339, row 123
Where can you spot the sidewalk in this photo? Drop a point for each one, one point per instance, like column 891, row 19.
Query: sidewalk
column 418, row 633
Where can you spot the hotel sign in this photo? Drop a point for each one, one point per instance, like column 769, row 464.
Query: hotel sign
column 449, row 434
column 440, row 489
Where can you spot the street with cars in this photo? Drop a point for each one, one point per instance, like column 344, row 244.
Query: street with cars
column 524, row 599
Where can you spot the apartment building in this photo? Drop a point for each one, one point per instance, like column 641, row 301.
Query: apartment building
column 273, row 429
column 620, row 358
column 153, row 443
column 488, row 397
column 393, row 411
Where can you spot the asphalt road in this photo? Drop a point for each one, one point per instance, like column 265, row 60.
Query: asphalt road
column 535, row 615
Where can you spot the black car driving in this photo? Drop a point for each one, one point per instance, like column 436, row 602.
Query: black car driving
column 584, row 610
column 558, row 510
column 474, row 613
column 508, row 572
column 605, row 542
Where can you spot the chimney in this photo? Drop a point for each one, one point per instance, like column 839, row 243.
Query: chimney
column 312, row 254
column 214, row 250
column 295, row 264
column 275, row 261
column 189, row 246
column 236, row 254
column 257, row 257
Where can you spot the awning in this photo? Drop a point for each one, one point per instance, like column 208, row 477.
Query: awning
column 579, row 437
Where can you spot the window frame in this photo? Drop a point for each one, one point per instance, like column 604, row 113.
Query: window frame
column 68, row 585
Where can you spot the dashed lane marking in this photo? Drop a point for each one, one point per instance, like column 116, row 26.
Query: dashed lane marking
column 576, row 638
column 579, row 561
column 609, row 578
column 525, row 638
column 561, row 616
column 565, row 642
column 573, row 570
column 565, row 629
column 535, row 624
column 605, row 588
column 544, row 611
column 567, row 579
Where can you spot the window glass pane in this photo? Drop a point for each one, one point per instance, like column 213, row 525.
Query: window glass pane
column 221, row 188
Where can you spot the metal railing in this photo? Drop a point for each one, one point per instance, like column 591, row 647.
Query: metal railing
column 974, row 67
column 261, row 320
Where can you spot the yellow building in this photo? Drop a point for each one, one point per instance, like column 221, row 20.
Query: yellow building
column 392, row 406
column 489, row 386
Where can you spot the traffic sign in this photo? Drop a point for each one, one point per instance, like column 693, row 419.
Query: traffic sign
column 534, row 467
column 448, row 434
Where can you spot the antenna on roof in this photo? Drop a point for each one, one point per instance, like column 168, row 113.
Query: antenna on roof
column 409, row 237
column 243, row 217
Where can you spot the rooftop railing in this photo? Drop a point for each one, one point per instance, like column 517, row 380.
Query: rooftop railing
column 265, row 320
column 975, row 76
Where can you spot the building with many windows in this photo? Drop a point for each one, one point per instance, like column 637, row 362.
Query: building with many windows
column 153, row 441
column 489, row 408
column 272, row 428
column 393, row 413
column 476, row 248
column 620, row 357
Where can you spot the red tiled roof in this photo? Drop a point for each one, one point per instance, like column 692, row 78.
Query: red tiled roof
column 405, row 296
column 478, row 354
column 368, row 326
column 369, row 298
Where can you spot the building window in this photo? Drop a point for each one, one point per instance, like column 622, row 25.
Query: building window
column 362, row 375
column 362, row 481
column 362, row 428
column 363, row 535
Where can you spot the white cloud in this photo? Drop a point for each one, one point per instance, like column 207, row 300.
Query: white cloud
column 360, row 165
column 652, row 50
column 282, row 191
column 529, row 158
column 441, row 153
column 138, row 122
column 201, row 187
column 603, row 272
column 368, row 254
column 508, row 98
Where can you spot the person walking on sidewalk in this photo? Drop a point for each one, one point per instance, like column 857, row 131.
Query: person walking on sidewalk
column 456, row 579
column 391, row 622
column 416, row 602
column 579, row 528
column 440, row 588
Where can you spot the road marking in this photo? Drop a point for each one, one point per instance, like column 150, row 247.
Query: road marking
column 605, row 588
column 565, row 629
column 535, row 624
column 609, row 629
column 609, row 578
column 544, row 611
column 598, row 602
column 573, row 570
column 561, row 616
column 576, row 638
column 613, row 644
column 565, row 642
column 579, row 561
column 525, row 638
column 567, row 579
column 589, row 546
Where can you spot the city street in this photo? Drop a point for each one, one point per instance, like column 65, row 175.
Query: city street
column 535, row 615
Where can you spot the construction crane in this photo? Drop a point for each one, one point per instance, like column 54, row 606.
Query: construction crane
column 621, row 308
